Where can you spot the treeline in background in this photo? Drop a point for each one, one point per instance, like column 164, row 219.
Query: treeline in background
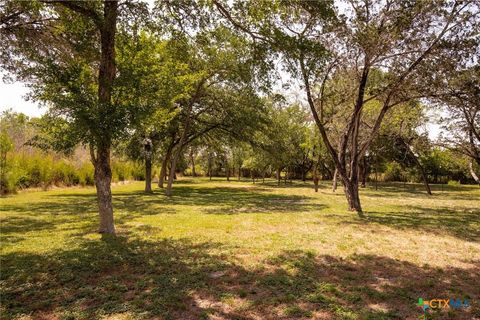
column 288, row 149
column 24, row 165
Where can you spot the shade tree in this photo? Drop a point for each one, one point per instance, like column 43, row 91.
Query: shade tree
column 316, row 41
column 68, row 52
column 461, row 120
column 159, row 78
column 221, row 96
column 71, row 70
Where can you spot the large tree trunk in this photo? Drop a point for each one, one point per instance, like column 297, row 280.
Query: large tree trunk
column 103, row 179
column 419, row 165
column 106, row 75
column 171, row 176
column 334, row 183
column 227, row 171
column 181, row 144
column 148, row 175
column 279, row 175
column 350, row 137
column 192, row 160
column 353, row 197
column 147, row 144
column 163, row 170
column 472, row 172
column 363, row 172
column 210, row 167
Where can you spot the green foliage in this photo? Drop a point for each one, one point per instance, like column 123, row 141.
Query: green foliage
column 127, row 170
column 6, row 145
column 198, row 170
column 25, row 163
column 283, row 142
column 85, row 174
column 443, row 165
column 393, row 172
column 41, row 170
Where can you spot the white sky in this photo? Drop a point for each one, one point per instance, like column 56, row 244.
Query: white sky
column 12, row 97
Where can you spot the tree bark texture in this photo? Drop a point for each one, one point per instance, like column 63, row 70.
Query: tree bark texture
column 103, row 179
column 106, row 76
column 163, row 170
column 147, row 145
column 334, row 183
column 472, row 172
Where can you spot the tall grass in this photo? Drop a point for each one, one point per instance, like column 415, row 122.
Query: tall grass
column 42, row 170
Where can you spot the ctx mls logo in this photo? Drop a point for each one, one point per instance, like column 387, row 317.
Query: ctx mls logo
column 442, row 303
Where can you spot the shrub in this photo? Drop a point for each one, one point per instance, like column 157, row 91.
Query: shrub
column 393, row 172
column 11, row 178
column 64, row 173
column 128, row 170
column 86, row 174
column 138, row 171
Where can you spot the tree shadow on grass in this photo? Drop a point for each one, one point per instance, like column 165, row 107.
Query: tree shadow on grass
column 224, row 200
column 294, row 184
column 458, row 222
column 178, row 279
column 67, row 210
column 23, row 224
column 227, row 200
column 417, row 190
column 108, row 277
column 360, row 287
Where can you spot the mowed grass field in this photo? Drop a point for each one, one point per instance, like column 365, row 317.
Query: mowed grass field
column 237, row 250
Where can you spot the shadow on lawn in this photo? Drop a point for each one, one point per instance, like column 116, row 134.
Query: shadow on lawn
column 20, row 224
column 227, row 199
column 177, row 279
column 459, row 222
column 218, row 200
column 65, row 211
column 259, row 183
column 81, row 206
column 399, row 190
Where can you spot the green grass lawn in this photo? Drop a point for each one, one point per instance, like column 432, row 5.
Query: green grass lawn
column 235, row 250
